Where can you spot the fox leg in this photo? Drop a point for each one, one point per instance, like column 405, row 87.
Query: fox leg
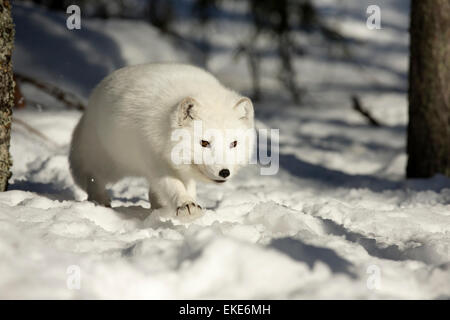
column 179, row 197
column 96, row 190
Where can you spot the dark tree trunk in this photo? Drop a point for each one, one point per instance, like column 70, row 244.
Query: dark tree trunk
column 429, row 93
column 6, row 90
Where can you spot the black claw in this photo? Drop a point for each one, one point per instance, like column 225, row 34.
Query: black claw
column 188, row 207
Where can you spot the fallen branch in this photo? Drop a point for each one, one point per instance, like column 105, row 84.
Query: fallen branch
column 69, row 99
column 357, row 105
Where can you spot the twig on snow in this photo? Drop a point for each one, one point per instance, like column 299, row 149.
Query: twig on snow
column 357, row 105
column 35, row 131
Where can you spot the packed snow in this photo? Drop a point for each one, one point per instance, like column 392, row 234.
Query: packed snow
column 338, row 220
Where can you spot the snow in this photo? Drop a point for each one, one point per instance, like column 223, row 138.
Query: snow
column 337, row 213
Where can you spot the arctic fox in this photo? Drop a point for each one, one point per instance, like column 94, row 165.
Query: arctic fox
column 128, row 127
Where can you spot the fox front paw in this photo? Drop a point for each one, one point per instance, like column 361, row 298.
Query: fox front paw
column 189, row 208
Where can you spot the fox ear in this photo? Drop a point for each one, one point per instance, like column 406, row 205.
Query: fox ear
column 186, row 110
column 245, row 108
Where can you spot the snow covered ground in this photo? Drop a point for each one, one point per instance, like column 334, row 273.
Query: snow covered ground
column 337, row 221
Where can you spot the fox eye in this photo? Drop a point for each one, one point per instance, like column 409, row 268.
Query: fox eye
column 205, row 144
column 233, row 144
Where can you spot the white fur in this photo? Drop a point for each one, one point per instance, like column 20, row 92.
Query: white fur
column 126, row 131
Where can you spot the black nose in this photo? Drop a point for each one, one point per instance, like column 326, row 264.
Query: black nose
column 224, row 173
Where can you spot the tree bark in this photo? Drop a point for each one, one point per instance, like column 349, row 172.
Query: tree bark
column 429, row 89
column 6, row 90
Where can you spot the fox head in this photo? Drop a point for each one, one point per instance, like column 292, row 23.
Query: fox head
column 218, row 135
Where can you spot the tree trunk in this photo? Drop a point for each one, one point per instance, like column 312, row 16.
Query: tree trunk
column 6, row 90
column 429, row 93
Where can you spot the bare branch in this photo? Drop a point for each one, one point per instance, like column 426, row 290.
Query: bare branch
column 69, row 99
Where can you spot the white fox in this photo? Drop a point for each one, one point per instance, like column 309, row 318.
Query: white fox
column 128, row 126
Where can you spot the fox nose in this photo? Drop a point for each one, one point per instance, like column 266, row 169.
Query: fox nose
column 224, row 173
